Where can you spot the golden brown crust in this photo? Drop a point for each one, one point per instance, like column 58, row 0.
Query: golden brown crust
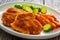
column 26, row 23
column 21, row 21
column 9, row 16
column 15, row 10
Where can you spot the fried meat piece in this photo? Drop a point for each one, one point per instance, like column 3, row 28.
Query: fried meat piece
column 15, row 10
column 9, row 16
column 26, row 23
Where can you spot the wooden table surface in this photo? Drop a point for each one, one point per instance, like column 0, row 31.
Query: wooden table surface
column 52, row 3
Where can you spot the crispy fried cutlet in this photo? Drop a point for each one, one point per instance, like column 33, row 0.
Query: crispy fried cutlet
column 15, row 10
column 26, row 23
column 9, row 16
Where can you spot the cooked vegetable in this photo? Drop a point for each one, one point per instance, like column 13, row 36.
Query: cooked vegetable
column 48, row 21
column 18, row 6
column 43, row 10
column 33, row 7
column 35, row 11
column 47, row 18
column 47, row 27
column 52, row 19
column 39, row 9
column 27, row 8
column 51, row 16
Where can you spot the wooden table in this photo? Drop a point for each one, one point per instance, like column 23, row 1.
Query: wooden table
column 52, row 3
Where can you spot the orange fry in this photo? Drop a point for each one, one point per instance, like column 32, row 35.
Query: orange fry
column 52, row 20
column 48, row 21
column 57, row 23
column 52, row 16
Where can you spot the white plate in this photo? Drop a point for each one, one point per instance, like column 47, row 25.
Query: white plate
column 40, row 36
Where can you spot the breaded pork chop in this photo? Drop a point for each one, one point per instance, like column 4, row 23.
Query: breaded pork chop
column 9, row 16
column 26, row 23
column 15, row 10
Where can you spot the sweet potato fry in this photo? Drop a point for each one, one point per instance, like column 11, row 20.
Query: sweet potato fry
column 52, row 16
column 57, row 23
column 48, row 21
column 49, row 17
column 52, row 20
